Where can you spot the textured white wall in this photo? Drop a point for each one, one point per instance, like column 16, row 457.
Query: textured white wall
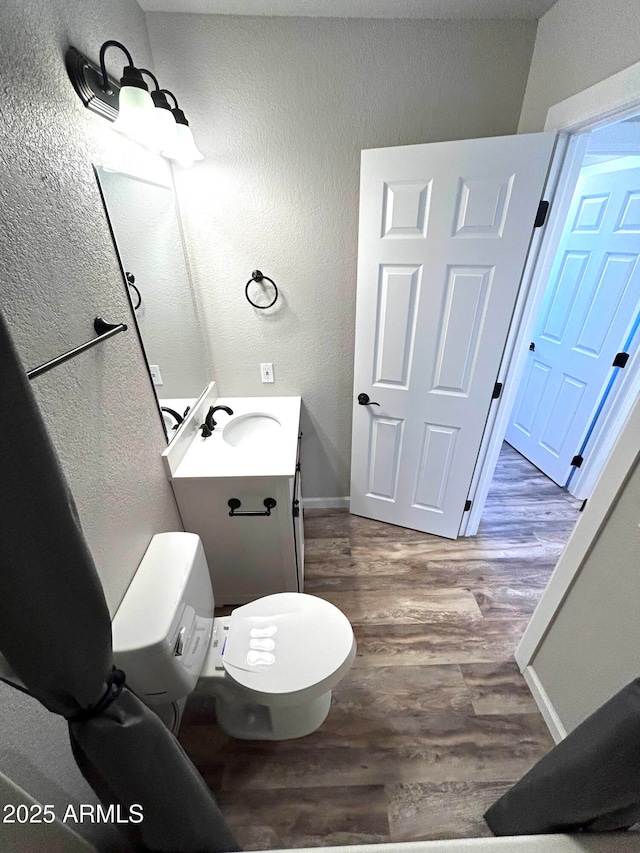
column 578, row 43
column 58, row 269
column 281, row 107
column 592, row 648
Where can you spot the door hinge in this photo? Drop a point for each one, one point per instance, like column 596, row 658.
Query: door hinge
column 497, row 390
column 532, row 346
column 584, row 503
column 621, row 359
column 467, row 505
column 577, row 461
column 541, row 215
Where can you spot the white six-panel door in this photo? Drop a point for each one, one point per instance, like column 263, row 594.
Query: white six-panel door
column 444, row 234
column 589, row 307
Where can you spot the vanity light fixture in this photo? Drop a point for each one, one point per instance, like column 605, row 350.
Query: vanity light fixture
column 174, row 134
column 167, row 141
column 135, row 105
column 147, row 118
column 128, row 105
column 186, row 152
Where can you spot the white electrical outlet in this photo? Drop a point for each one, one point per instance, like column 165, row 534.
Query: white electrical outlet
column 155, row 374
column 266, row 372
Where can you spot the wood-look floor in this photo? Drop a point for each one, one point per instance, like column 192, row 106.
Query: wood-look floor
column 434, row 722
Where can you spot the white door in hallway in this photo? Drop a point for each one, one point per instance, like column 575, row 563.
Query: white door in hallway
column 444, row 234
column 589, row 308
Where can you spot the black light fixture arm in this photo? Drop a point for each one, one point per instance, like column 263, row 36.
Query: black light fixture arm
column 167, row 92
column 152, row 75
column 103, row 68
column 178, row 114
column 158, row 95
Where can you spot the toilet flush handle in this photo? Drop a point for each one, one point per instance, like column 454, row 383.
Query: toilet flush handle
column 178, row 649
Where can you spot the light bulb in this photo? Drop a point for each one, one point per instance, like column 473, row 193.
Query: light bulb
column 187, row 151
column 166, row 131
column 136, row 116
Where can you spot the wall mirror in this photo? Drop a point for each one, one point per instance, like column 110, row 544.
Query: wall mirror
column 146, row 230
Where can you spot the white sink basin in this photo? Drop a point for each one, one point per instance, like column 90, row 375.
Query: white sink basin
column 259, row 440
column 253, row 430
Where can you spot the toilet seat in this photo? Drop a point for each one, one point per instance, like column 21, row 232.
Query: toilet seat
column 288, row 647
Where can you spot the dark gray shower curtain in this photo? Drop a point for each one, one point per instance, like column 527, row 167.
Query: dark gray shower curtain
column 55, row 633
column 590, row 781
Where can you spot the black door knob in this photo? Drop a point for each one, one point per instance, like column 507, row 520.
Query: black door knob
column 364, row 400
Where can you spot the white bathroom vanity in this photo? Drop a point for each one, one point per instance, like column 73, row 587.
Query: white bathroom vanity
column 239, row 490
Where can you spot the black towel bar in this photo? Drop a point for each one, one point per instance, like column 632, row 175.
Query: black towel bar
column 105, row 330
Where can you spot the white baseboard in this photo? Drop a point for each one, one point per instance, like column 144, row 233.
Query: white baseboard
column 326, row 503
column 551, row 718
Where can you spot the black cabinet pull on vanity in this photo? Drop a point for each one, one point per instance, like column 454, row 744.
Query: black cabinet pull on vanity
column 234, row 505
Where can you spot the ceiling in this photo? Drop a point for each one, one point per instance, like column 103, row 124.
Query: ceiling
column 529, row 10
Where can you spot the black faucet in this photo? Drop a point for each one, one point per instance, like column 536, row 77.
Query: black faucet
column 209, row 424
column 178, row 418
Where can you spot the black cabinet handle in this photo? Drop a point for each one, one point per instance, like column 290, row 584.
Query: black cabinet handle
column 234, row 505
column 364, row 400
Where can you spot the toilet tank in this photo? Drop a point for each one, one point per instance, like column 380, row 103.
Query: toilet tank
column 162, row 629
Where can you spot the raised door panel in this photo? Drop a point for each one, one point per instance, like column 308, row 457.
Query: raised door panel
column 406, row 209
column 398, row 296
column 464, row 311
column 385, row 444
column 482, row 206
column 436, row 456
column 563, row 293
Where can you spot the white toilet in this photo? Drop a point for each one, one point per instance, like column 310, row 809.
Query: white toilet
column 271, row 665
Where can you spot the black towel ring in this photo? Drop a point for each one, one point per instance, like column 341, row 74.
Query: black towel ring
column 130, row 281
column 256, row 275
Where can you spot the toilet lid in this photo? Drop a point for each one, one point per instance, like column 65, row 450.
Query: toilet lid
column 287, row 643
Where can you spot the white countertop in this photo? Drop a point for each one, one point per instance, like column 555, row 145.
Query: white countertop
column 274, row 456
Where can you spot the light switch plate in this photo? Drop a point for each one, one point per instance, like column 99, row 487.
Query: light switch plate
column 155, row 374
column 266, row 371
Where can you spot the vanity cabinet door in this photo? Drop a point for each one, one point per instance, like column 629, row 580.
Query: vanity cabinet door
column 248, row 556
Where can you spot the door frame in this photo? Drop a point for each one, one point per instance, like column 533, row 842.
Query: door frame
column 616, row 97
column 607, row 429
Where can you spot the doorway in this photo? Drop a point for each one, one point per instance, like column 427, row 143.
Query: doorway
column 605, row 104
column 587, row 326
column 403, row 458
